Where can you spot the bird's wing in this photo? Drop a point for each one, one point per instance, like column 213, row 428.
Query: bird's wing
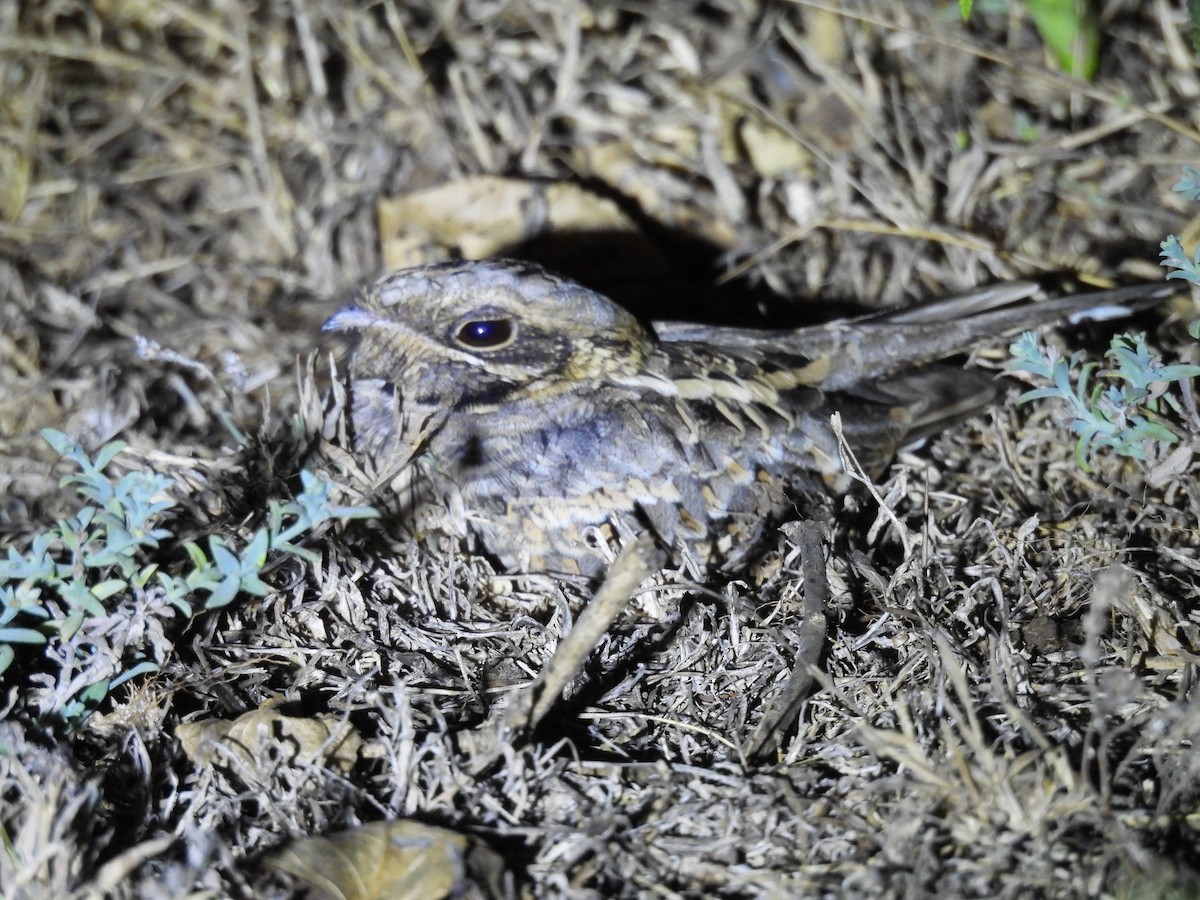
column 843, row 353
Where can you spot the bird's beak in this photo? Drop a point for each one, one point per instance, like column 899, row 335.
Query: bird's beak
column 351, row 318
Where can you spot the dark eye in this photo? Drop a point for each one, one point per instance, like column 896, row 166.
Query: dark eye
column 486, row 333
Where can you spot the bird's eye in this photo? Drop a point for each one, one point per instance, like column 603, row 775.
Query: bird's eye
column 485, row 333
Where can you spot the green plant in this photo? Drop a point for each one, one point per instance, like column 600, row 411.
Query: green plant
column 1128, row 404
column 1068, row 28
column 1120, row 406
column 94, row 591
column 1174, row 257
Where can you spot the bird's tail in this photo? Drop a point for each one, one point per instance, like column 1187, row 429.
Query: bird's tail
column 883, row 377
column 884, row 343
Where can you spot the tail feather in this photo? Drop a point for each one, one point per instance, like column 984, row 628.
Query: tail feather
column 958, row 306
column 877, row 345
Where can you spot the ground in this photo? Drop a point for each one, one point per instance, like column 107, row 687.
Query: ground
column 1006, row 702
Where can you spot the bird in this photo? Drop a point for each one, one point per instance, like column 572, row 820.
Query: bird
column 559, row 425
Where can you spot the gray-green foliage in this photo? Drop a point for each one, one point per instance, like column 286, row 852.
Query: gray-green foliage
column 1120, row 406
column 92, row 594
column 1174, row 257
column 1129, row 402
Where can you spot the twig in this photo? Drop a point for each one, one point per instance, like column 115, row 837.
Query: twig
column 768, row 736
column 530, row 705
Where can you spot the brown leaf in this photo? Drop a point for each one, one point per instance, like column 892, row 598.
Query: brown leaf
column 481, row 216
column 327, row 739
column 396, row 861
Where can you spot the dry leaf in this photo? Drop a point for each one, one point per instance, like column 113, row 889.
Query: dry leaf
column 479, row 217
column 771, row 151
column 401, row 860
column 668, row 197
column 1174, row 465
column 325, row 739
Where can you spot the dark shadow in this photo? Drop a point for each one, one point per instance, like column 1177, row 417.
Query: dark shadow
column 660, row 273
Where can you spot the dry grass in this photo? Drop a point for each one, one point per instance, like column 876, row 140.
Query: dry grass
column 1007, row 709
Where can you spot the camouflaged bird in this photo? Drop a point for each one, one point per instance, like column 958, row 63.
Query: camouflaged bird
column 557, row 423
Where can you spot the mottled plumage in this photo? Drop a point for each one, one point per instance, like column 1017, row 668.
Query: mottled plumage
column 561, row 423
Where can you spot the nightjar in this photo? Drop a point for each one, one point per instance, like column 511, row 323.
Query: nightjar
column 558, row 424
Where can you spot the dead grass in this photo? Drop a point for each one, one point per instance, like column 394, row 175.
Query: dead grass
column 1007, row 710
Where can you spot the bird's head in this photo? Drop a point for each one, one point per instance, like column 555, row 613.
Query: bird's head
column 481, row 334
